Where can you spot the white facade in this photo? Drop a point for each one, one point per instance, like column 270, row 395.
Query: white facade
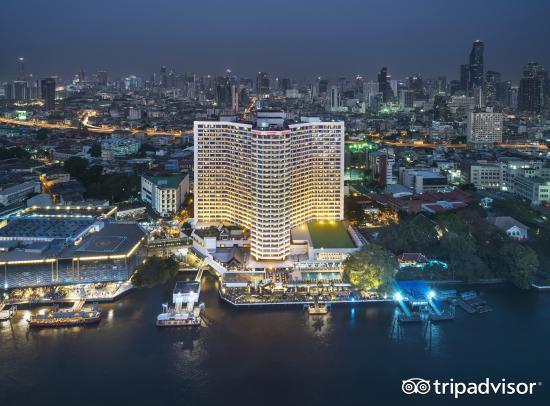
column 269, row 178
column 485, row 127
column 18, row 193
column 164, row 194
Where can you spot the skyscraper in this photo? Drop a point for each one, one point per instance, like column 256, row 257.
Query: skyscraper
column 533, row 88
column 492, row 79
column 476, row 65
column 464, row 77
column 262, row 84
column 334, row 98
column 48, row 93
column 384, row 85
column 21, row 74
column 269, row 177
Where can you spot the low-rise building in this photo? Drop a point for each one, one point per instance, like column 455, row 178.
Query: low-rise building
column 18, row 193
column 422, row 180
column 534, row 189
column 513, row 228
column 165, row 194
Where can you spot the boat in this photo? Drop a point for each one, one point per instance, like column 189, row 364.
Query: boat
column 66, row 318
column 317, row 309
column 172, row 317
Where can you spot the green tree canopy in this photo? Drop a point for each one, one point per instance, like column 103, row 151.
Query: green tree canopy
column 95, row 150
column 519, row 262
column 464, row 262
column 14, row 152
column 155, row 271
column 42, row 134
column 373, row 267
column 75, row 166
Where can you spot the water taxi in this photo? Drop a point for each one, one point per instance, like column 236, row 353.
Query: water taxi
column 66, row 318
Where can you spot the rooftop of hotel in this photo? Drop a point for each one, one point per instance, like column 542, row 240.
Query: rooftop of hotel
column 324, row 234
column 269, row 120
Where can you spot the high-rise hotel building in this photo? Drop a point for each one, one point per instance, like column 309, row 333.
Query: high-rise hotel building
column 269, row 176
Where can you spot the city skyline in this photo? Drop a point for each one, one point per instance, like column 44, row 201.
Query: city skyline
column 358, row 37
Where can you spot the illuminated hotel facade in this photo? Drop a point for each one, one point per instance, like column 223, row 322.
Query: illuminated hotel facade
column 269, row 177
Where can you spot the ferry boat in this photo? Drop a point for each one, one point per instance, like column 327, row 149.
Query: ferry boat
column 317, row 308
column 66, row 318
column 186, row 312
column 173, row 318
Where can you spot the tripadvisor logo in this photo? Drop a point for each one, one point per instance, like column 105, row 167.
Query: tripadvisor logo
column 419, row 386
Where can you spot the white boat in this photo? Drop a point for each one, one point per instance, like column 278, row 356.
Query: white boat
column 172, row 317
column 318, row 309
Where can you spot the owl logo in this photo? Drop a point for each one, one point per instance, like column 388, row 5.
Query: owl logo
column 417, row 386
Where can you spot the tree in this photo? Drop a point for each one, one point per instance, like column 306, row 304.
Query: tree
column 354, row 211
column 155, row 271
column 520, row 263
column 460, row 251
column 371, row 268
column 415, row 235
column 116, row 187
column 42, row 134
column 95, row 150
column 75, row 166
column 14, row 152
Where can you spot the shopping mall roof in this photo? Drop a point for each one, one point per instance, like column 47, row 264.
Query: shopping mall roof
column 44, row 228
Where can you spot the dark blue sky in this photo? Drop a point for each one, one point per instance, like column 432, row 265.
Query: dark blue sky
column 297, row 38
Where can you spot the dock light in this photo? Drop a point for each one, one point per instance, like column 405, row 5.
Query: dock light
column 398, row 296
column 431, row 295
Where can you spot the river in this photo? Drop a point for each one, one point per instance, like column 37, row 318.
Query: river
column 354, row 356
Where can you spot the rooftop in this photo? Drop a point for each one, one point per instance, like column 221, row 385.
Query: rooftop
column 170, row 182
column 329, row 234
column 45, row 228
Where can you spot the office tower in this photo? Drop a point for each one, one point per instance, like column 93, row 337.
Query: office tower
column 476, row 65
column 101, row 78
column 406, row 99
column 533, row 88
column 370, row 89
column 464, row 78
column 504, row 94
column 163, row 76
column 455, row 87
column 234, row 99
column 81, row 75
column 285, row 84
column 262, row 84
column 20, row 90
column 48, row 93
column 441, row 86
column 21, row 74
column 384, row 85
column 334, row 101
column 268, row 176
column 323, row 87
column 416, row 84
column 223, row 91
column 484, row 127
column 492, row 79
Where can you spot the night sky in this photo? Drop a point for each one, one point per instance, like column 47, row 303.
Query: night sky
column 296, row 38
